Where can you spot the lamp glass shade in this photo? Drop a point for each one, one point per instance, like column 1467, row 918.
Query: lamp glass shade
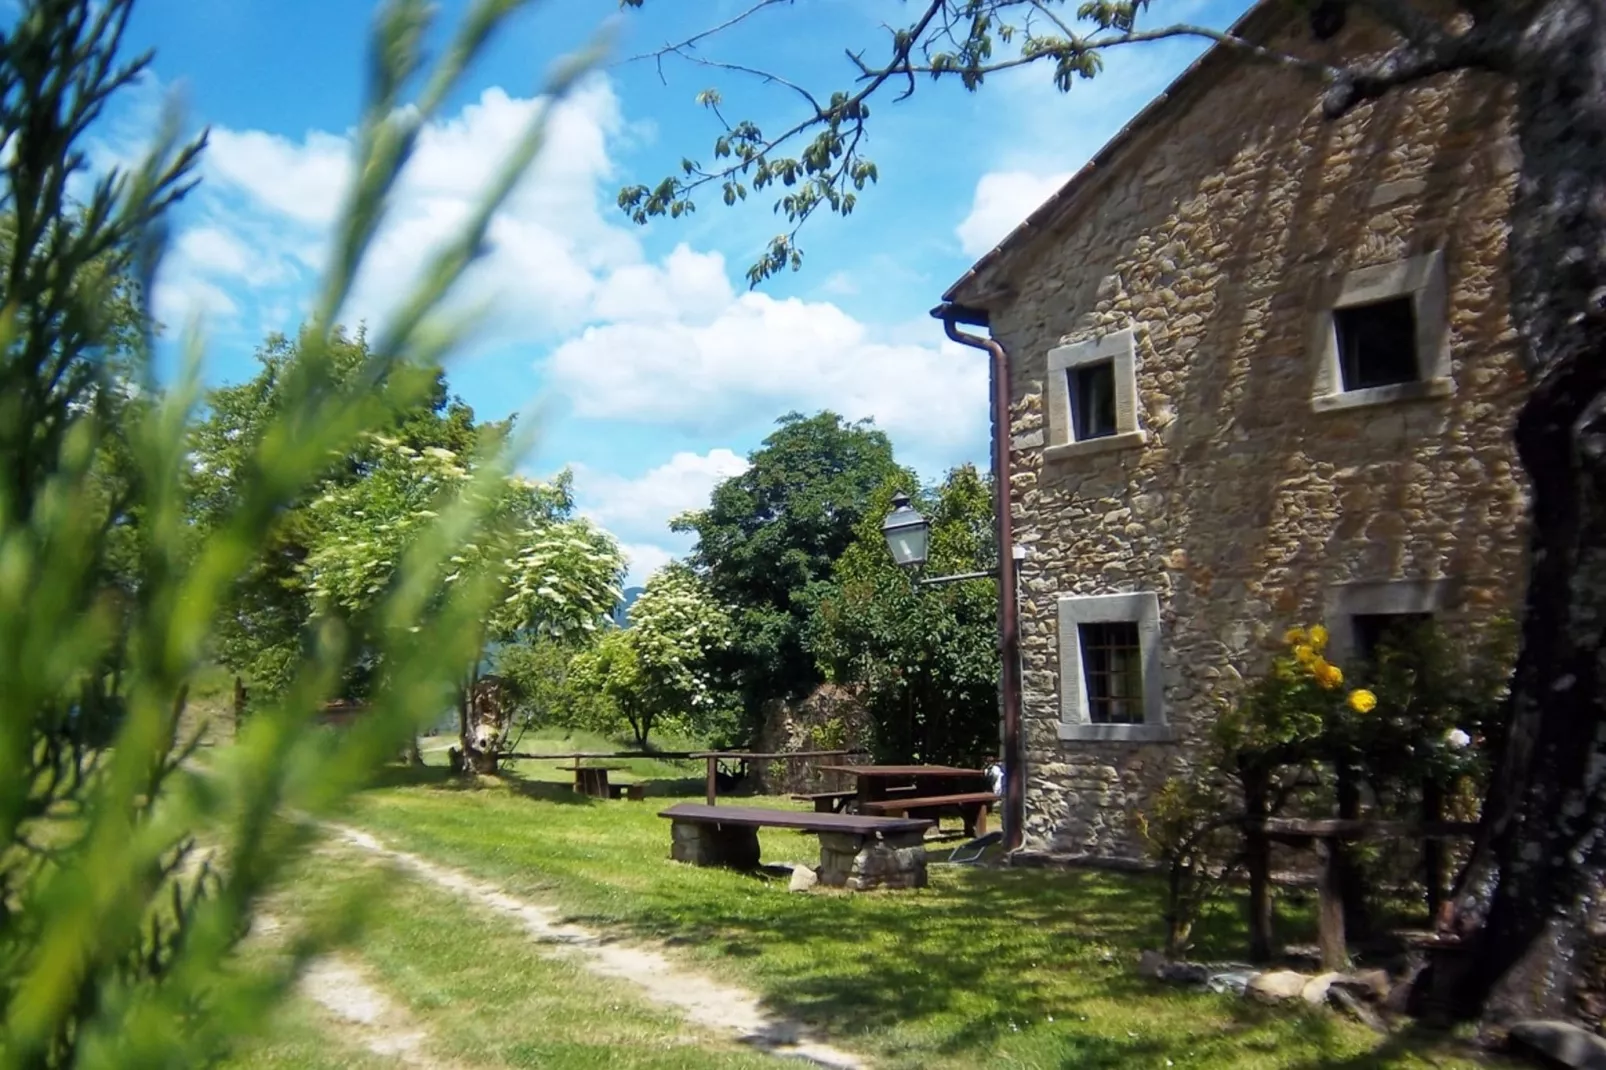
column 906, row 532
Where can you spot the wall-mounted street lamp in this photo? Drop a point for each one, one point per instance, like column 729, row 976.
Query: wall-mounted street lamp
column 908, row 535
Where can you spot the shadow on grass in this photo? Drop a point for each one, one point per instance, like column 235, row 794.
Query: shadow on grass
column 440, row 778
column 989, row 952
column 677, row 786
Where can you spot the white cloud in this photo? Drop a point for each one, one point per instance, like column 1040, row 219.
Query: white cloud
column 214, row 250
column 1003, row 200
column 302, row 181
column 646, row 503
column 1047, row 135
column 708, row 365
column 278, row 197
column 840, row 283
column 644, row 559
column 687, row 285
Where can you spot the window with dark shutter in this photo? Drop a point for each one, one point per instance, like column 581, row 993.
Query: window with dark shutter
column 1377, row 344
column 1374, row 631
column 1092, row 397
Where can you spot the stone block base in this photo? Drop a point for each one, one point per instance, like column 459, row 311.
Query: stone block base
column 860, row 863
column 699, row 844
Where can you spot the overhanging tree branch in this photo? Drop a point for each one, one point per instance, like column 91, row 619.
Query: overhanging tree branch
column 956, row 39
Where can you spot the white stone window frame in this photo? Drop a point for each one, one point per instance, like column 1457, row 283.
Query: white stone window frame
column 1346, row 601
column 1142, row 609
column 1423, row 280
column 1118, row 348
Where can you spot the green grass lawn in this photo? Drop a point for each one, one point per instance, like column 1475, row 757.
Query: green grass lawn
column 1015, row 968
column 477, row 987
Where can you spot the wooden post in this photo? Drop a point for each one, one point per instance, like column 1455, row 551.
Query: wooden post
column 1352, row 882
column 1330, row 906
column 713, row 768
column 1432, row 852
column 1257, row 860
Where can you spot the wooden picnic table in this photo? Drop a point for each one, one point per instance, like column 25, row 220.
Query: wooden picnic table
column 592, row 779
column 900, row 789
column 881, row 781
column 743, row 758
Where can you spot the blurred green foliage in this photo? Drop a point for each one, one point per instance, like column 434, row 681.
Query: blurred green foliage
column 130, row 866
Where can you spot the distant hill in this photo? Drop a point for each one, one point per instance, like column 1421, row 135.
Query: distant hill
column 621, row 612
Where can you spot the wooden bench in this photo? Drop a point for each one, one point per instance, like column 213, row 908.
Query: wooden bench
column 636, row 792
column 856, row 851
column 971, row 805
column 827, row 802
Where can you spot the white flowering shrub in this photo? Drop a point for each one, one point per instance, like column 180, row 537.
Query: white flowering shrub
column 541, row 570
column 660, row 666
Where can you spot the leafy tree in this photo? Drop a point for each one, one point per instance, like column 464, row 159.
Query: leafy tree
column 552, row 574
column 538, row 670
column 261, row 636
column 659, row 668
column 774, row 530
column 612, row 670
column 116, row 925
column 1540, row 860
column 925, row 659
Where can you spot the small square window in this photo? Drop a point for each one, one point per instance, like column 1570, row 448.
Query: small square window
column 1374, row 631
column 1377, row 343
column 1112, row 665
column 1092, row 397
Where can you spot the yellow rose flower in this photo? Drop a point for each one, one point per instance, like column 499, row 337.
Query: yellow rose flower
column 1318, row 637
column 1362, row 701
column 1304, row 654
column 1294, row 636
column 1327, row 674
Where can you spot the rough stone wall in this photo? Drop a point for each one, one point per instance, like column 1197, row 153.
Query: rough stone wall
column 830, row 718
column 1215, row 239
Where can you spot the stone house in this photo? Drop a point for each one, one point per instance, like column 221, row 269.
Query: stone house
column 1262, row 375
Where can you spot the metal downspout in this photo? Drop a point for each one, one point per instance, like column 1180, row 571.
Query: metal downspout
column 1008, row 608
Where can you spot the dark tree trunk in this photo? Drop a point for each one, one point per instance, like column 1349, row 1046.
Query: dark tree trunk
column 1346, row 868
column 1257, row 862
column 475, row 758
column 1525, row 900
column 1433, row 851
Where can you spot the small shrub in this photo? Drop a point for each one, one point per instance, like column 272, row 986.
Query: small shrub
column 1191, row 827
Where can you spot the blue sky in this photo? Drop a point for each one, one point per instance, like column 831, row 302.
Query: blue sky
column 650, row 369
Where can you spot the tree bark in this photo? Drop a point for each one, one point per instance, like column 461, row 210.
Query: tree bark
column 1257, row 862
column 1347, row 872
column 475, row 758
column 1433, row 850
column 1525, row 901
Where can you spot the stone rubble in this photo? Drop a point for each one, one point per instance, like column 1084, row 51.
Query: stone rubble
column 1558, row 1044
column 1360, row 994
column 803, row 879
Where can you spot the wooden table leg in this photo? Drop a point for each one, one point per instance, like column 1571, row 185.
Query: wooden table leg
column 1330, row 908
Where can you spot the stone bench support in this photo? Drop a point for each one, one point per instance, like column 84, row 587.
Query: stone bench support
column 704, row 844
column 861, row 863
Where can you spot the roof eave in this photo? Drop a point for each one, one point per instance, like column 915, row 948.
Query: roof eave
column 970, row 288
